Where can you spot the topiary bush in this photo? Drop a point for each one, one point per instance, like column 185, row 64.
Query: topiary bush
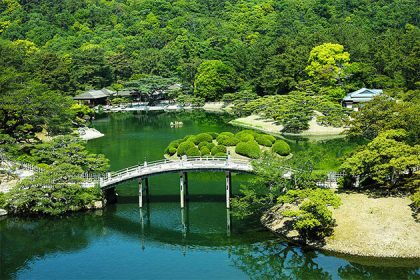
column 213, row 134
column 230, row 134
column 183, row 147
column 220, row 154
column 202, row 137
column 245, row 135
column 190, row 138
column 218, row 149
column 264, row 139
column 210, row 146
column 281, row 147
column 203, row 144
column 227, row 140
column 205, row 151
column 249, row 149
column 193, row 152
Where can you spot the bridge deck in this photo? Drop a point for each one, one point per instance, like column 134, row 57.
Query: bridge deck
column 171, row 166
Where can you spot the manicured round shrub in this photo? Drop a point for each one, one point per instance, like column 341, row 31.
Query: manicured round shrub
column 220, row 154
column 281, row 147
column 218, row 149
column 210, row 146
column 213, row 134
column 227, row 140
column 202, row 137
column 170, row 151
column 245, row 135
column 188, row 138
column 183, row 147
column 249, row 149
column 203, row 144
column 264, row 139
column 230, row 134
column 205, row 151
column 193, row 152
column 175, row 143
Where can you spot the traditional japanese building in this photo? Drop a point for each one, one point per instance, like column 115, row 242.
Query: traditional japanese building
column 354, row 100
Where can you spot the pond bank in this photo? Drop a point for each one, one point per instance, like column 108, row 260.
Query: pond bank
column 366, row 226
column 270, row 126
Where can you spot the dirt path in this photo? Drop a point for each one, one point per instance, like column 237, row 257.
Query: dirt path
column 377, row 227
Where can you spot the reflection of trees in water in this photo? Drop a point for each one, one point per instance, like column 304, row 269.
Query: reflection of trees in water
column 23, row 240
column 162, row 119
column 358, row 271
column 278, row 260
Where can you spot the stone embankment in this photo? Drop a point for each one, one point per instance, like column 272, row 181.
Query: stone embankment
column 383, row 227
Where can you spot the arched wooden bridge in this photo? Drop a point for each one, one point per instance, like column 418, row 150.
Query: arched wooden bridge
column 191, row 164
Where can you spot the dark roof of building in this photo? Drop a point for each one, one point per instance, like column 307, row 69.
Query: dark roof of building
column 93, row 94
column 362, row 95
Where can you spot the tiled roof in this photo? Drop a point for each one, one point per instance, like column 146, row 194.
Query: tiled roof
column 93, row 94
column 362, row 95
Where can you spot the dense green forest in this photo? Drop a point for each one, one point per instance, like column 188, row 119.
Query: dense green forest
column 261, row 45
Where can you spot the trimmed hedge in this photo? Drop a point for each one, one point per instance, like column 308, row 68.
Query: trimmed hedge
column 218, row 149
column 245, row 135
column 249, row 149
column 230, row 134
column 188, row 138
column 281, row 147
column 211, row 146
column 203, row 144
column 203, row 137
column 193, row 152
column 183, row 147
column 227, row 140
column 220, row 155
column 205, row 151
column 213, row 134
column 265, row 140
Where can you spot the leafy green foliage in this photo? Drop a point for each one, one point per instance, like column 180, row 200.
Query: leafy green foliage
column 71, row 150
column 54, row 191
column 249, row 149
column 218, row 150
column 205, row 151
column 265, row 139
column 416, row 199
column 193, row 152
column 387, row 161
column 311, row 216
column 226, row 140
column 385, row 113
column 281, row 147
column 213, row 78
column 203, row 137
column 184, row 147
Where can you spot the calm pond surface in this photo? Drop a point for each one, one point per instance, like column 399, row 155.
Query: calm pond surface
column 163, row 241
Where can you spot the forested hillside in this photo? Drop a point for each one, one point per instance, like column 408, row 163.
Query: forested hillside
column 262, row 45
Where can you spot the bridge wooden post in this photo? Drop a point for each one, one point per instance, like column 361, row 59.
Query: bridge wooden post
column 140, row 192
column 182, row 188
column 228, row 188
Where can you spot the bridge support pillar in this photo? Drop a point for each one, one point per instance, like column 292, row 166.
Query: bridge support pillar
column 228, row 188
column 140, row 192
column 182, row 187
column 146, row 187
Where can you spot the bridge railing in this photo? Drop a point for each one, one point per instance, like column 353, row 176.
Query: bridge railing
column 149, row 164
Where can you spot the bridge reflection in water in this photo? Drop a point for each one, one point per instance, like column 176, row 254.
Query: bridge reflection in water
column 184, row 222
column 191, row 164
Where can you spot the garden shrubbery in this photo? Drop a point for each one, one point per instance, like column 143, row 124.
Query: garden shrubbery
column 247, row 143
column 218, row 150
column 265, row 139
column 205, row 151
column 193, row 152
column 202, row 137
column 281, row 148
column 249, row 149
column 227, row 140
column 183, row 147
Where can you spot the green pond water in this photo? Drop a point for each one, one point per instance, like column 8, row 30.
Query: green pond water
column 161, row 241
